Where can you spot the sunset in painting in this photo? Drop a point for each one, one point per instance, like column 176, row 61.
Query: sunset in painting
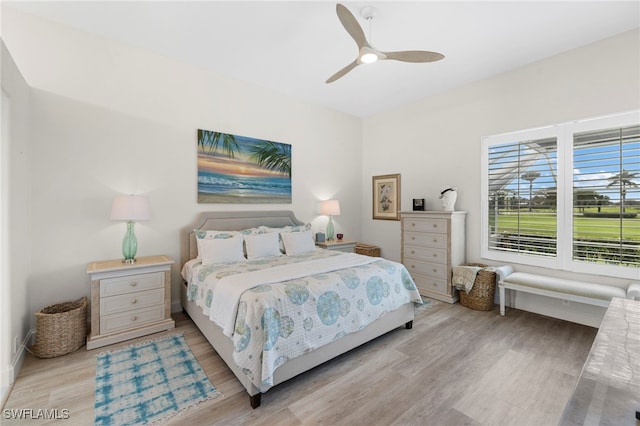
column 239, row 169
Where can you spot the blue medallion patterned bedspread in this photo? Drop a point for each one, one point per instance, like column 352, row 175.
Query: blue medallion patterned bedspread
column 277, row 321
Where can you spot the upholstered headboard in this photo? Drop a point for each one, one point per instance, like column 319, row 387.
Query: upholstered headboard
column 231, row 221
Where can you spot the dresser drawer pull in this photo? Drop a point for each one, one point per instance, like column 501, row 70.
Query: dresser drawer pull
column 435, row 240
column 435, row 255
column 133, row 283
column 435, row 225
column 413, row 238
column 435, row 270
column 413, row 252
column 413, row 224
column 134, row 301
column 435, row 284
column 134, row 318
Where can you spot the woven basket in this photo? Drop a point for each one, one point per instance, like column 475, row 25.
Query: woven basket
column 481, row 297
column 60, row 329
column 368, row 250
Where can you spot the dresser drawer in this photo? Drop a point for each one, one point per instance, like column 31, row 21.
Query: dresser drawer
column 426, row 225
column 436, row 285
column 131, row 301
column 127, row 320
column 424, row 239
column 131, row 283
column 425, row 253
column 437, row 270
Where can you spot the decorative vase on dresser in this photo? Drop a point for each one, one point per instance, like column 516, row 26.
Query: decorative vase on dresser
column 432, row 243
column 129, row 300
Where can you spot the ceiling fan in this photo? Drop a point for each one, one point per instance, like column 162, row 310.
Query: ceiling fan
column 367, row 53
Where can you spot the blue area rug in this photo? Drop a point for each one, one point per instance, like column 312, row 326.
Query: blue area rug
column 149, row 383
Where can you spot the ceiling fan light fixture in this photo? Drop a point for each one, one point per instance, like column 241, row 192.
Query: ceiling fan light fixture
column 368, row 58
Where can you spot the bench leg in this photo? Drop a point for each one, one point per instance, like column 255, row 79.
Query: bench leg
column 502, row 310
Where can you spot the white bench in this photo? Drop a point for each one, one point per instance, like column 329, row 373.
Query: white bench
column 559, row 288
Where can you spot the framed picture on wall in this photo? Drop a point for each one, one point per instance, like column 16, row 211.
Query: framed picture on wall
column 386, row 197
column 242, row 170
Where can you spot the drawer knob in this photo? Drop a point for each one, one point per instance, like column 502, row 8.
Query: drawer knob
column 435, row 225
column 413, row 266
column 435, row 240
column 413, row 224
column 134, row 318
column 413, row 238
column 435, row 270
column 435, row 255
column 134, row 301
column 435, row 284
column 413, row 252
column 133, row 283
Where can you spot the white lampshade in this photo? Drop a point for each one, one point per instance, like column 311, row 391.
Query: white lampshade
column 130, row 208
column 330, row 208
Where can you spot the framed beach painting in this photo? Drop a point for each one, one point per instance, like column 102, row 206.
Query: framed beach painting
column 386, row 197
column 242, row 170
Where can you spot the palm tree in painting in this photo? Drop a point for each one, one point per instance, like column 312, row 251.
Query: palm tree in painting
column 273, row 156
column 212, row 141
column 623, row 180
column 530, row 176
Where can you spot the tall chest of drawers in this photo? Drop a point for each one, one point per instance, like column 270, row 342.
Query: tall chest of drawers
column 432, row 243
column 129, row 300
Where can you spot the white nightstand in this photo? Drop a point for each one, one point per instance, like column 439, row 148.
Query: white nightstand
column 348, row 246
column 129, row 300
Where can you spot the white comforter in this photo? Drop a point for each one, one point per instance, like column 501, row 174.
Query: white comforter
column 279, row 317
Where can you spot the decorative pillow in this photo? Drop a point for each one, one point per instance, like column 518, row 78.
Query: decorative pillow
column 221, row 250
column 298, row 242
column 285, row 230
column 262, row 245
column 209, row 234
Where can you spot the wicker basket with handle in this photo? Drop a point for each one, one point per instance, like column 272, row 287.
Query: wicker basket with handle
column 60, row 329
column 481, row 296
column 368, row 250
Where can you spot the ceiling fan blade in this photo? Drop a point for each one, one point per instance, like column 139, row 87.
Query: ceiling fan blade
column 414, row 56
column 350, row 24
column 342, row 72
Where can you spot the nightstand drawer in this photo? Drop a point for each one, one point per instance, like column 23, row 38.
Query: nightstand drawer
column 131, row 283
column 131, row 301
column 425, row 253
column 127, row 320
column 426, row 225
column 427, row 268
column 424, row 239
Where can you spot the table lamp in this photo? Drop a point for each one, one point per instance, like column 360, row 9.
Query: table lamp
column 330, row 208
column 130, row 208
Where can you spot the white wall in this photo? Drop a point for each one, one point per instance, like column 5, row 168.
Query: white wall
column 15, row 226
column 436, row 142
column 109, row 119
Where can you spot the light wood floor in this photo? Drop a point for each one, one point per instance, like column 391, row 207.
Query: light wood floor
column 455, row 367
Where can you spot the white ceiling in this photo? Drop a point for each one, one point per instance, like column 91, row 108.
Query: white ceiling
column 293, row 47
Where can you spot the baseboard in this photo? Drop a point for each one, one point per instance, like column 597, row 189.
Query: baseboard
column 10, row 374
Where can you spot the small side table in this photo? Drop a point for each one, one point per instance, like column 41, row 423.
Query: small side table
column 347, row 246
column 129, row 300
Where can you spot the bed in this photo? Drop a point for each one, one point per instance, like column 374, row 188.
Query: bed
column 387, row 284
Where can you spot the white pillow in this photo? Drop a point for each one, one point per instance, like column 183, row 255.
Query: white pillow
column 208, row 234
column 285, row 229
column 298, row 242
column 221, row 250
column 262, row 245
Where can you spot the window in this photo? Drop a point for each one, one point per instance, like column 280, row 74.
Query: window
column 565, row 196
